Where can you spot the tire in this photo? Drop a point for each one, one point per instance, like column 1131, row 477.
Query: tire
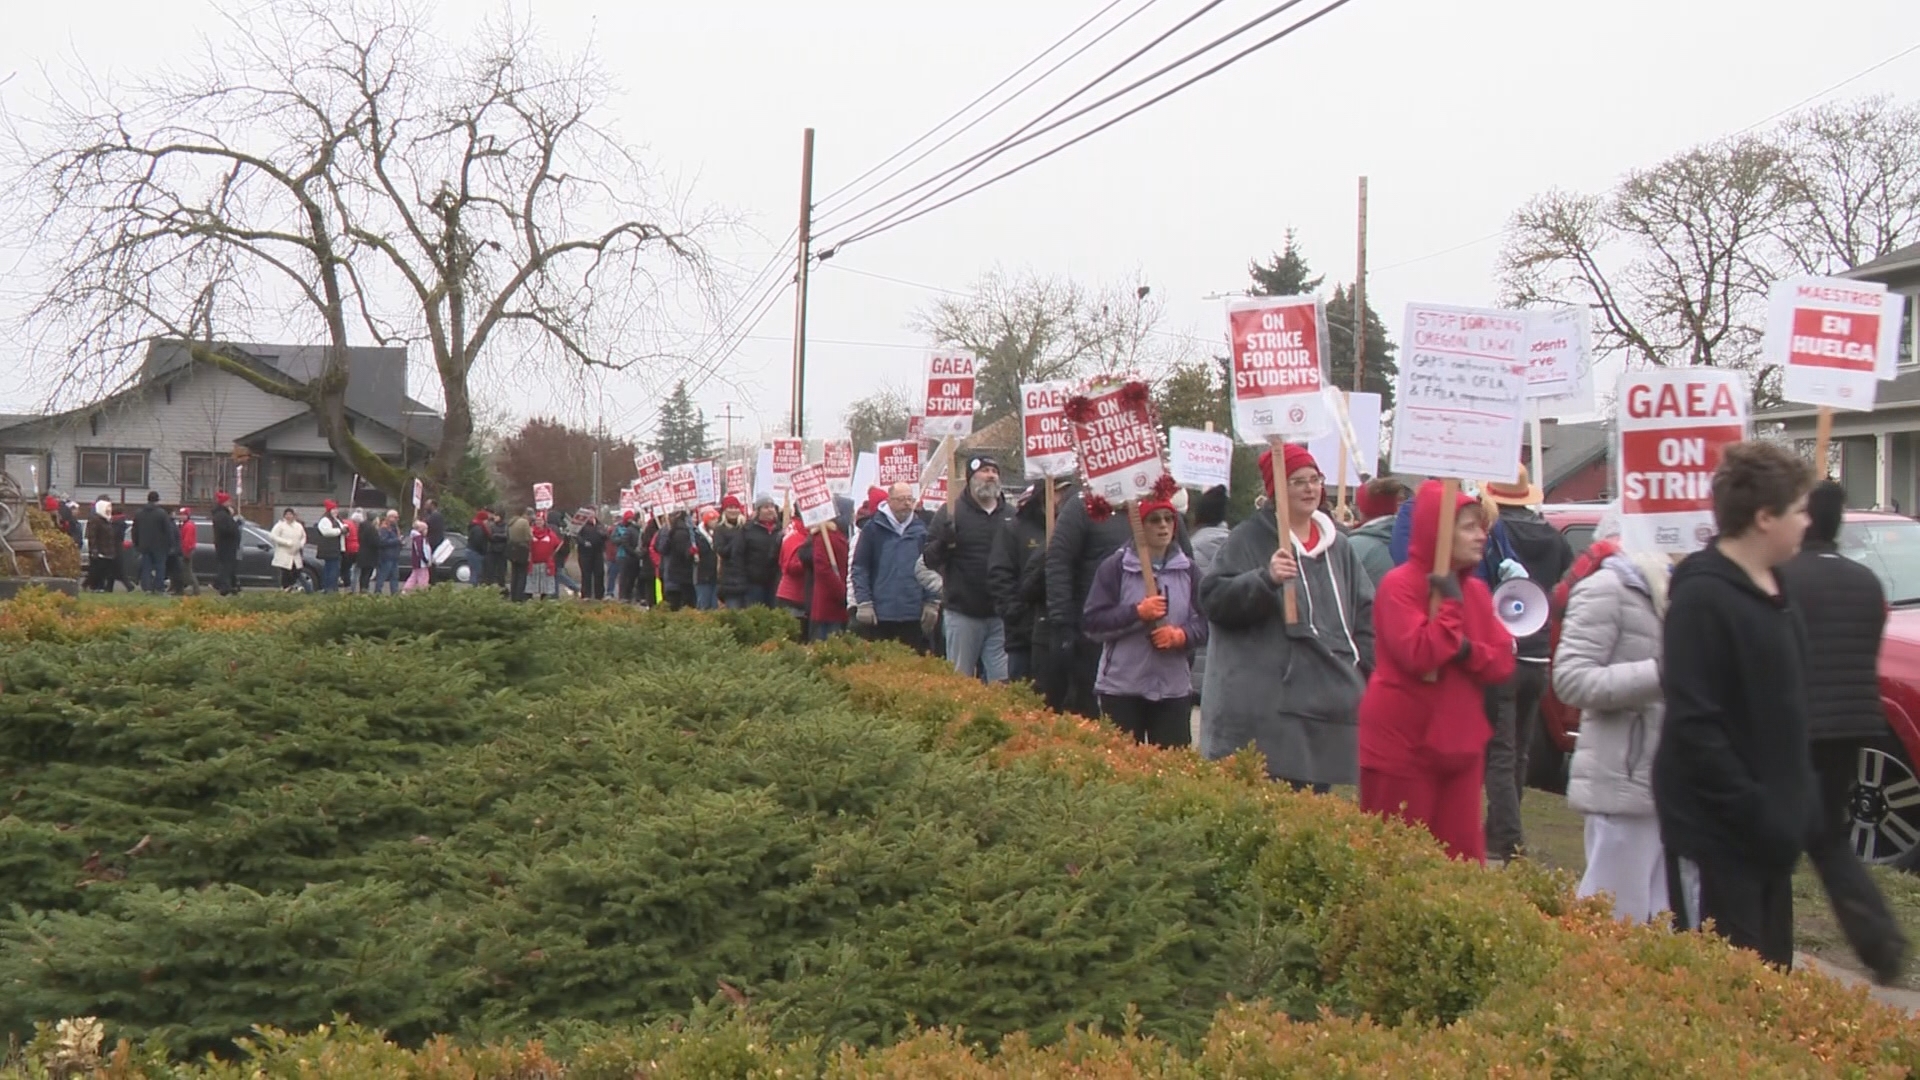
column 1546, row 765
column 1883, row 806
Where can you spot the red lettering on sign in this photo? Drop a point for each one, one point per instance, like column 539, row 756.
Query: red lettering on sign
column 1833, row 339
column 1693, row 401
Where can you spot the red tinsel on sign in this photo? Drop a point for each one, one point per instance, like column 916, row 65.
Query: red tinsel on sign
column 1098, row 508
column 1166, row 487
column 1079, row 409
column 1134, row 395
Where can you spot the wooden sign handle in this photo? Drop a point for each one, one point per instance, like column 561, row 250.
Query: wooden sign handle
column 1277, row 447
column 1822, row 438
column 1140, row 546
column 820, row 537
column 1443, row 550
column 1052, row 495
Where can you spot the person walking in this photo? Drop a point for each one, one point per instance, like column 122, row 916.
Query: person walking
column 1607, row 665
column 543, row 553
column 519, row 554
column 289, row 547
column 497, row 565
column 477, row 539
column 792, row 594
column 188, row 538
column 889, row 598
column 1378, row 504
column 758, row 553
column 368, row 557
column 1022, row 540
column 1422, row 744
column 436, row 527
column 1209, row 535
column 226, row 546
column 350, row 548
column 419, row 559
column 825, row 557
column 153, row 539
column 706, row 564
column 329, row 547
column 674, row 553
column 591, row 543
column 1144, row 683
column 959, row 544
column 390, row 546
column 626, row 538
column 727, row 536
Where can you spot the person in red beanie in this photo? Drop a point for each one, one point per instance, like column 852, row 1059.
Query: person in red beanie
column 226, row 546
column 1423, row 744
column 1144, row 687
column 1378, row 503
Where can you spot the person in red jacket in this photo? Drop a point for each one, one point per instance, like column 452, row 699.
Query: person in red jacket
column 542, row 581
column 1423, row 744
column 792, row 593
column 825, row 556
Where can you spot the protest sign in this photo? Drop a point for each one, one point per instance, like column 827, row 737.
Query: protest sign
column 917, row 429
column 1556, row 344
column 543, row 496
column 1673, row 424
column 1199, row 459
column 1117, row 441
column 1834, row 339
column 737, row 482
column 949, row 401
column 629, row 501
column 763, row 485
column 812, row 499
column 1048, row 445
column 866, row 474
column 705, row 475
column 836, row 456
column 935, row 495
column 1363, row 422
column 648, row 466
column 1460, row 398
column 419, row 493
column 788, row 455
column 1278, row 367
column 683, row 488
column 896, row 463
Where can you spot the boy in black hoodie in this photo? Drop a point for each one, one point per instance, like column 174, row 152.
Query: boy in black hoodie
column 1732, row 782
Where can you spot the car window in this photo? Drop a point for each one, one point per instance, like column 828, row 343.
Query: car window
column 1579, row 538
column 1891, row 549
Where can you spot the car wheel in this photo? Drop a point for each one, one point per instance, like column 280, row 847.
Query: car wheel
column 1883, row 806
column 463, row 574
column 309, row 582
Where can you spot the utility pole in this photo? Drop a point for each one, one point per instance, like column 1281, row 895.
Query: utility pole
column 1360, row 297
column 596, row 479
column 797, row 426
column 729, row 416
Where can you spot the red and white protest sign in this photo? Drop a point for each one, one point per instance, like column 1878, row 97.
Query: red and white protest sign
column 949, row 403
column 935, row 496
column 649, row 466
column 629, row 501
column 737, row 480
column 897, row 463
column 836, row 457
column 788, row 455
column 917, row 429
column 543, row 496
column 1673, row 424
column 1834, row 338
column 1117, row 440
column 1278, row 368
column 683, row 488
column 812, row 499
column 1049, row 437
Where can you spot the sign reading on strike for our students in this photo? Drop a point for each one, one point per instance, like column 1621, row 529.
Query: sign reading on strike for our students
column 1279, row 366
column 812, row 499
column 1118, row 443
column 543, row 496
column 949, row 409
column 649, row 466
column 1049, row 437
column 788, row 455
column 1833, row 337
column 1673, row 424
column 1199, row 459
column 737, row 481
column 836, row 457
column 1460, row 397
column 896, row 463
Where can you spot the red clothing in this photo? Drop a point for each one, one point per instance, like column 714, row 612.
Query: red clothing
column 349, row 538
column 793, row 572
column 829, row 578
column 546, row 542
column 189, row 537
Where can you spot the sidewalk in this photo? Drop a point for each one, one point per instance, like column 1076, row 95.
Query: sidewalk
column 1886, row 995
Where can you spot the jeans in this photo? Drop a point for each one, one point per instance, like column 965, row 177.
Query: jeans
column 330, row 575
column 153, row 571
column 977, row 646
column 1155, row 723
column 1020, row 664
column 388, row 575
column 1513, row 710
column 821, row 631
column 706, row 597
column 476, row 566
column 756, row 597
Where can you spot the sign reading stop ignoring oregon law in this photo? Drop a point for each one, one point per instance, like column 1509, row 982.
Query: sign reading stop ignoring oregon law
column 1674, row 423
column 1279, row 366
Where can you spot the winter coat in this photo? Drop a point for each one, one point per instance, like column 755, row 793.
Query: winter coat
column 1409, row 725
column 349, row 540
column 1373, row 542
column 328, row 545
column 959, row 546
column 1080, row 544
column 1019, row 543
column 883, row 568
column 673, row 553
column 153, row 530
column 759, row 554
column 1608, row 667
column 436, row 529
column 477, row 536
column 420, row 553
column 289, row 540
column 520, row 540
column 1129, row 664
column 189, row 534
column 1207, row 542
column 1293, row 692
column 100, row 544
column 793, row 571
column 1534, row 543
column 1845, row 610
column 826, row 585
column 706, row 563
column 497, row 540
column 369, row 553
column 1732, row 780
column 389, row 542
column 729, row 545
column 592, row 539
column 542, row 544
column 226, row 532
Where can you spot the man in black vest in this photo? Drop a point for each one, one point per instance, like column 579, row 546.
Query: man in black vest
column 959, row 544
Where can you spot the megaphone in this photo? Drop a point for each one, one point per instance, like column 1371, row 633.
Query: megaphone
column 1522, row 606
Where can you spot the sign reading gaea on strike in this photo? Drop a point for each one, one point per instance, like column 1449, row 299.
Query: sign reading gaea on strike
column 1048, row 436
column 949, row 408
column 1279, row 366
column 1674, row 423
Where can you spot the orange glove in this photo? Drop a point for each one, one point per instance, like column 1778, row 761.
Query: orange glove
column 1152, row 609
column 1169, row 638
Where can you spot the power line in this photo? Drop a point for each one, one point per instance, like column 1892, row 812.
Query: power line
column 995, row 88
column 896, row 220
column 1862, row 73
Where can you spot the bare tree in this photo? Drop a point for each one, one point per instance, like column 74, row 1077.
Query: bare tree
column 336, row 170
column 1853, row 175
column 879, row 417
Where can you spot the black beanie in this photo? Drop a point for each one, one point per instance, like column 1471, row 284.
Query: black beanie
column 1212, row 507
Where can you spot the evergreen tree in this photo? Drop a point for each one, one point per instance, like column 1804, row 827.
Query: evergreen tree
column 682, row 434
column 1379, row 372
column 1286, row 274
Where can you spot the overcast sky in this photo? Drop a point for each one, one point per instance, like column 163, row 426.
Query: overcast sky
column 1457, row 112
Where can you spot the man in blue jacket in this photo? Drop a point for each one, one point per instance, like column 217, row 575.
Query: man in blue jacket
column 888, row 597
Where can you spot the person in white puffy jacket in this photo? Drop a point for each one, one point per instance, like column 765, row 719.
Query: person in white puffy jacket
column 1607, row 665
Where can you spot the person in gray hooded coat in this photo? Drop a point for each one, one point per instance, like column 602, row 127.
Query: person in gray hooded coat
column 1293, row 692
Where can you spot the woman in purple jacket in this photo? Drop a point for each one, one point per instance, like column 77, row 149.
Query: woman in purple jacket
column 1143, row 684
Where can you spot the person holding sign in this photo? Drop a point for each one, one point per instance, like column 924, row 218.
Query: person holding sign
column 1145, row 640
column 1423, row 741
column 1292, row 690
column 959, row 544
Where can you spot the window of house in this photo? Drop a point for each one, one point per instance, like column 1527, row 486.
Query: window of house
column 113, row 468
column 1910, row 333
column 201, row 476
column 306, row 475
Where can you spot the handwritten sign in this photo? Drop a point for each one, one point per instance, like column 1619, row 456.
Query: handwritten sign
column 1835, row 338
column 1363, row 427
column 707, row 477
column 543, row 496
column 1117, row 442
column 1673, row 424
column 1278, row 366
column 836, row 456
column 949, row 402
column 649, row 466
column 1199, row 459
column 1460, row 399
column 896, row 463
column 1048, row 443
column 812, row 499
column 1557, row 343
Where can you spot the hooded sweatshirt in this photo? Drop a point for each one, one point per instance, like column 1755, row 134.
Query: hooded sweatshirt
column 1129, row 664
column 1291, row 691
column 1732, row 780
column 1409, row 726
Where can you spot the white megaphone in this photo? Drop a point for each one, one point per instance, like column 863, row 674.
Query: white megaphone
column 1521, row 605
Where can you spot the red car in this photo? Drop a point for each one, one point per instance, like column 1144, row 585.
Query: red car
column 1885, row 801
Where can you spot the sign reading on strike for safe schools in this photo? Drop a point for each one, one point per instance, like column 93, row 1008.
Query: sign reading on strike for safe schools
column 1199, row 459
column 836, row 457
column 649, row 466
column 1118, row 444
column 788, row 455
column 1460, row 397
column 1048, row 446
column 896, row 463
column 949, row 408
column 812, row 499
column 1279, row 366
column 1834, row 338
column 1673, row 424
column 543, row 496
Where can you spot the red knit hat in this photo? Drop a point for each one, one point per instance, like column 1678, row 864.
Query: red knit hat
column 732, row 502
column 329, row 505
column 875, row 496
column 222, row 498
column 1294, row 458
column 1151, row 504
column 1378, row 503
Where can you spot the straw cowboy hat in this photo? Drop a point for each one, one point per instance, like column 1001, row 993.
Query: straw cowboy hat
column 1522, row 492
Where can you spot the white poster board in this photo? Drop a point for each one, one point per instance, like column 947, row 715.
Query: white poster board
column 1047, row 444
column 1277, row 368
column 1199, row 459
column 763, row 478
column 1363, row 423
column 1673, row 424
column 812, row 499
column 1460, row 397
column 1833, row 338
column 866, row 474
column 706, row 479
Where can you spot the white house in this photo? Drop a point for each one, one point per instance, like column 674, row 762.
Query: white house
column 188, row 431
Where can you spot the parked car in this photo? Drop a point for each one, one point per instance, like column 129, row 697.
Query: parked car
column 1885, row 800
column 452, row 568
column 256, row 569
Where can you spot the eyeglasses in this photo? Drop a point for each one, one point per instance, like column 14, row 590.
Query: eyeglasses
column 1159, row 519
column 1306, row 483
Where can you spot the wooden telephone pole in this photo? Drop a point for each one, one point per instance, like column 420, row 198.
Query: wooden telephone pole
column 797, row 426
column 1360, row 298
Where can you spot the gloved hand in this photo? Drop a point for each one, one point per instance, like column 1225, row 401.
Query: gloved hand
column 863, row 614
column 1169, row 638
column 1510, row 569
column 1152, row 609
column 1447, row 585
column 930, row 618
